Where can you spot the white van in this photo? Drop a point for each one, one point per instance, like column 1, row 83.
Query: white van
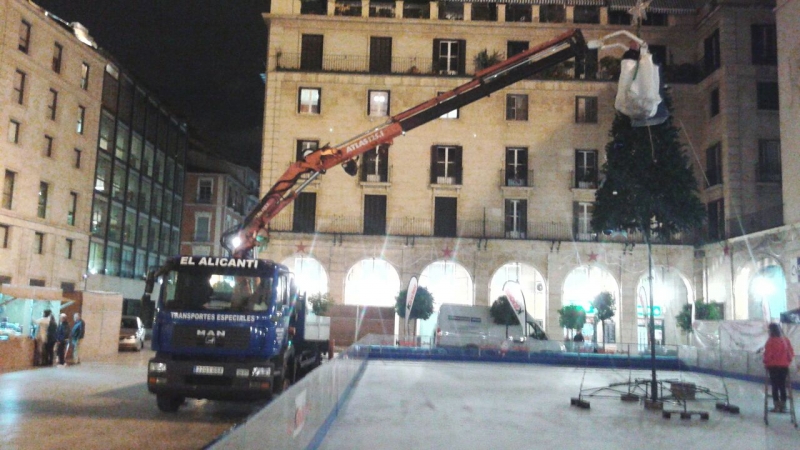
column 472, row 327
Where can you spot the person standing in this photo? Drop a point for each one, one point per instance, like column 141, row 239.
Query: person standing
column 50, row 343
column 62, row 336
column 778, row 356
column 41, row 338
column 76, row 336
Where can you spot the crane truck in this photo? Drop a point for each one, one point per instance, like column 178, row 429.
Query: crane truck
column 235, row 327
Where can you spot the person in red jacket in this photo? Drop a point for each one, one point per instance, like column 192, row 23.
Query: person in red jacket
column 778, row 356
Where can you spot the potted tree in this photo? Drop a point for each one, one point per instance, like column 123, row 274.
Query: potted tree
column 571, row 317
column 421, row 308
column 502, row 313
column 604, row 309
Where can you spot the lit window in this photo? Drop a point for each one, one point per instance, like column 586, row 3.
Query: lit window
column 449, row 115
column 378, row 103
column 41, row 211
column 309, row 101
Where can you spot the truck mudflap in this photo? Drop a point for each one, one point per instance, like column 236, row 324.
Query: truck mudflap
column 212, row 380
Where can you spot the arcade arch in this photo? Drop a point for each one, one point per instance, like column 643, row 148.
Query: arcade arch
column 448, row 282
column 760, row 291
column 533, row 287
column 670, row 292
column 581, row 286
column 371, row 282
column 309, row 274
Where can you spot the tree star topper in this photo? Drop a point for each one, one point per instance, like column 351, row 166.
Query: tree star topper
column 639, row 11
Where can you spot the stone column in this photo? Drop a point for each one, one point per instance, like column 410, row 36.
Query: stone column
column 501, row 13
column 364, row 8
column 331, row 7
column 467, row 12
column 434, row 10
column 570, row 14
column 398, row 9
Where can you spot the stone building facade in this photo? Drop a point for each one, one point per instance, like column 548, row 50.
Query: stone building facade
column 51, row 80
column 339, row 68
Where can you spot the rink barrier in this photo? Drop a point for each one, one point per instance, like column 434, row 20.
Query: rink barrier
column 300, row 417
column 737, row 364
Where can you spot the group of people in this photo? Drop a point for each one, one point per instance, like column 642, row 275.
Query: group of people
column 54, row 340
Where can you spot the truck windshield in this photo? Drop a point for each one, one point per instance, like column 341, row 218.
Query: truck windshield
column 201, row 290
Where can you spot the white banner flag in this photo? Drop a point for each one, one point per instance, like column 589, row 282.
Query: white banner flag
column 411, row 292
column 516, row 298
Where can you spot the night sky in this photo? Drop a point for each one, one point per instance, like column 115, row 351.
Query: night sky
column 201, row 58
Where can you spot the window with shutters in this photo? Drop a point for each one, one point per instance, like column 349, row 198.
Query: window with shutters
column 448, row 115
column 311, row 52
column 378, row 105
column 72, row 207
column 582, row 221
column 449, row 56
column 714, row 102
column 714, row 165
column 375, row 214
column 769, row 161
column 445, row 217
column 308, row 101
column 202, row 227
column 586, row 169
column 517, row 107
column 375, row 165
column 516, row 218
column 38, row 243
column 13, row 131
column 19, row 86
column 767, row 96
column 58, row 53
column 305, row 211
column 517, row 173
column 585, row 109
column 711, row 53
column 764, row 43
column 24, row 36
column 84, row 76
column 446, row 164
column 380, row 54
column 716, row 220
column 44, row 190
column 8, row 189
column 52, row 105
column 48, row 146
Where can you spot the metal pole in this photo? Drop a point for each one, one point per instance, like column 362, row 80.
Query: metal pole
column 654, row 382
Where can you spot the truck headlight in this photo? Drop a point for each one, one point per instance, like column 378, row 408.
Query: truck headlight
column 157, row 367
column 262, row 371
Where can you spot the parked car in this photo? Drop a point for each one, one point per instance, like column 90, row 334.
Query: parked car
column 131, row 333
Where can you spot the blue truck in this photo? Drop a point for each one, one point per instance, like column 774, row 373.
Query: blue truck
column 227, row 329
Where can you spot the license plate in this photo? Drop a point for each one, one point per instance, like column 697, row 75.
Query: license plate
column 208, row 370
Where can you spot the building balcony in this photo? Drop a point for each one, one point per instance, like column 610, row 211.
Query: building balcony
column 540, row 230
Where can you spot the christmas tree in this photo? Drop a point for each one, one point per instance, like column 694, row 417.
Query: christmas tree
column 649, row 185
column 649, row 188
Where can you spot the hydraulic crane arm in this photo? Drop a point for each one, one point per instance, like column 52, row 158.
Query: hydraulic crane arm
column 243, row 238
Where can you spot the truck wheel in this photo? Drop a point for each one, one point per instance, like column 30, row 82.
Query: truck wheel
column 169, row 403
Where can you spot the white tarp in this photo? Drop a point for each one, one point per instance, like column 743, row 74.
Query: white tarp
column 746, row 335
column 638, row 89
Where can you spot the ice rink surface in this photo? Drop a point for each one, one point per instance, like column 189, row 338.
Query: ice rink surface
column 454, row 405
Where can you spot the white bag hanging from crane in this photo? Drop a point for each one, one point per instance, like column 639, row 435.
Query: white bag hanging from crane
column 637, row 94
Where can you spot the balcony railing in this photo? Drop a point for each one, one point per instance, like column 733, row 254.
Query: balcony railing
column 770, row 217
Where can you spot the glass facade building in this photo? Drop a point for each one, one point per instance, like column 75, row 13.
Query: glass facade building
column 138, row 182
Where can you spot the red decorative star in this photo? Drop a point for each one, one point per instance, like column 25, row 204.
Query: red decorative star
column 301, row 248
column 447, row 252
column 593, row 257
